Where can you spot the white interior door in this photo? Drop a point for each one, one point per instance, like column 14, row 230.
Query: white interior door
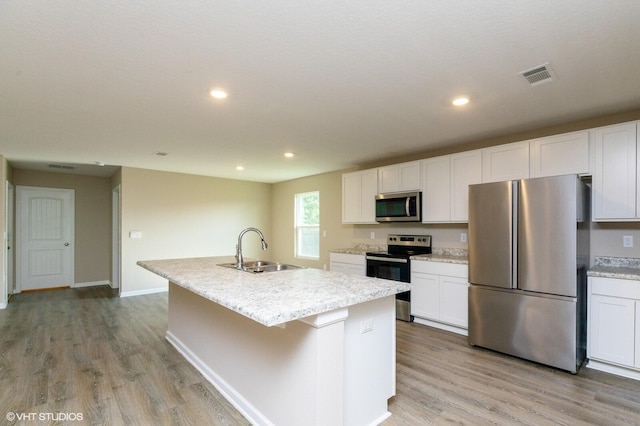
column 45, row 237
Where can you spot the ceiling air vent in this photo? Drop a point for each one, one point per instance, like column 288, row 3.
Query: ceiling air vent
column 61, row 166
column 539, row 75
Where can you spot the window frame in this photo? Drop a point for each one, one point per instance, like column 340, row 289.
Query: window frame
column 297, row 227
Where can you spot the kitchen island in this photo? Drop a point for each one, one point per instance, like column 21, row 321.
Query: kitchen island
column 301, row 346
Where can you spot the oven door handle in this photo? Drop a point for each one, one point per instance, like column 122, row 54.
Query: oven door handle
column 387, row 259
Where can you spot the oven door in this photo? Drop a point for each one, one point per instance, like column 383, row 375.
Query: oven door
column 388, row 268
column 395, row 269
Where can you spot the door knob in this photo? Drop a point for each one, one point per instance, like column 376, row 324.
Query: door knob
column 66, row 244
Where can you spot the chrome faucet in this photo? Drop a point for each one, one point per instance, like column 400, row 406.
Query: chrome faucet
column 239, row 258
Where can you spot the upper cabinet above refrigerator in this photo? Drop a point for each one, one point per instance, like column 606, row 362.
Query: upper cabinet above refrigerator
column 505, row 162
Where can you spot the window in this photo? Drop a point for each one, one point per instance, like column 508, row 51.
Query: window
column 307, row 223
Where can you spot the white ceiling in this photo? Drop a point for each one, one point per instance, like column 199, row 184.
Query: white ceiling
column 339, row 83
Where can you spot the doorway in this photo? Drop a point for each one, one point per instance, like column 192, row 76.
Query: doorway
column 8, row 281
column 45, row 224
column 116, row 238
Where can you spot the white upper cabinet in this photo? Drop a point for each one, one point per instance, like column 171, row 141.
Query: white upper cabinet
column 359, row 190
column 466, row 169
column 561, row 155
column 615, row 177
column 436, row 189
column 399, row 177
column 505, row 162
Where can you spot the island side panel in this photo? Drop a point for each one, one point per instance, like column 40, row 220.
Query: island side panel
column 370, row 361
column 269, row 373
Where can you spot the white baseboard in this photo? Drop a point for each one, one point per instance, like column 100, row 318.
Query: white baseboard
column 4, row 305
column 241, row 404
column 441, row 326
column 91, row 284
column 630, row 373
column 143, row 292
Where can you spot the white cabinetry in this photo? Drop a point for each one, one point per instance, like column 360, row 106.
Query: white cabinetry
column 466, row 169
column 561, row 155
column 399, row 177
column 436, row 190
column 614, row 326
column 615, row 178
column 505, row 162
column 359, row 190
column 439, row 295
column 348, row 263
column 445, row 186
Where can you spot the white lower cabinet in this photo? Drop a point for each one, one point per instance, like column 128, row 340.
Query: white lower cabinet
column 614, row 326
column 439, row 295
column 613, row 329
column 348, row 263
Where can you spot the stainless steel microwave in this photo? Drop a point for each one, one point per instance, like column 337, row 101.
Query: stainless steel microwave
column 399, row 207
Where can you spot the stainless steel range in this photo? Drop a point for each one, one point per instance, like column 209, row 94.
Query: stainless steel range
column 395, row 264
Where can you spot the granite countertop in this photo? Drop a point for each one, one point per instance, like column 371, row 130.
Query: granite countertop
column 625, row 268
column 352, row 250
column 444, row 255
column 272, row 298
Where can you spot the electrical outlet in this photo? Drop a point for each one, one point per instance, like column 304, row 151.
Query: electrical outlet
column 463, row 237
column 627, row 241
column 366, row 326
column 372, row 235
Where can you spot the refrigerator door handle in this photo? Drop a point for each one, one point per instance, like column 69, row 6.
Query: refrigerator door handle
column 515, row 194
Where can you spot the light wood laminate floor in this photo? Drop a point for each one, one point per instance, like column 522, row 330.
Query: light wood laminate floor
column 90, row 352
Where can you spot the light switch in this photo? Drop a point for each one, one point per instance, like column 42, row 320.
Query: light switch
column 135, row 234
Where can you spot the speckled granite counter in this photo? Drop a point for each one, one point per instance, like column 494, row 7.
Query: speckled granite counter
column 625, row 268
column 351, row 250
column 445, row 255
column 360, row 248
column 275, row 297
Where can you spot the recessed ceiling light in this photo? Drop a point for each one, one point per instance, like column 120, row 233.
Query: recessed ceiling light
column 239, row 168
column 218, row 93
column 460, row 100
column 99, row 163
column 289, row 154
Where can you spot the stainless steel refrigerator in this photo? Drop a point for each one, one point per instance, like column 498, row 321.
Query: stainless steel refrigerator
column 528, row 257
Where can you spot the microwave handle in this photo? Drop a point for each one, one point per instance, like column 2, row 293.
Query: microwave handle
column 406, row 206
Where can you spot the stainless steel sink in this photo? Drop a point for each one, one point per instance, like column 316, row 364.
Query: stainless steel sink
column 259, row 266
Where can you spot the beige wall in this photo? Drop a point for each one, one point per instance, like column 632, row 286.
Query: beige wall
column 92, row 219
column 183, row 215
column 337, row 235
